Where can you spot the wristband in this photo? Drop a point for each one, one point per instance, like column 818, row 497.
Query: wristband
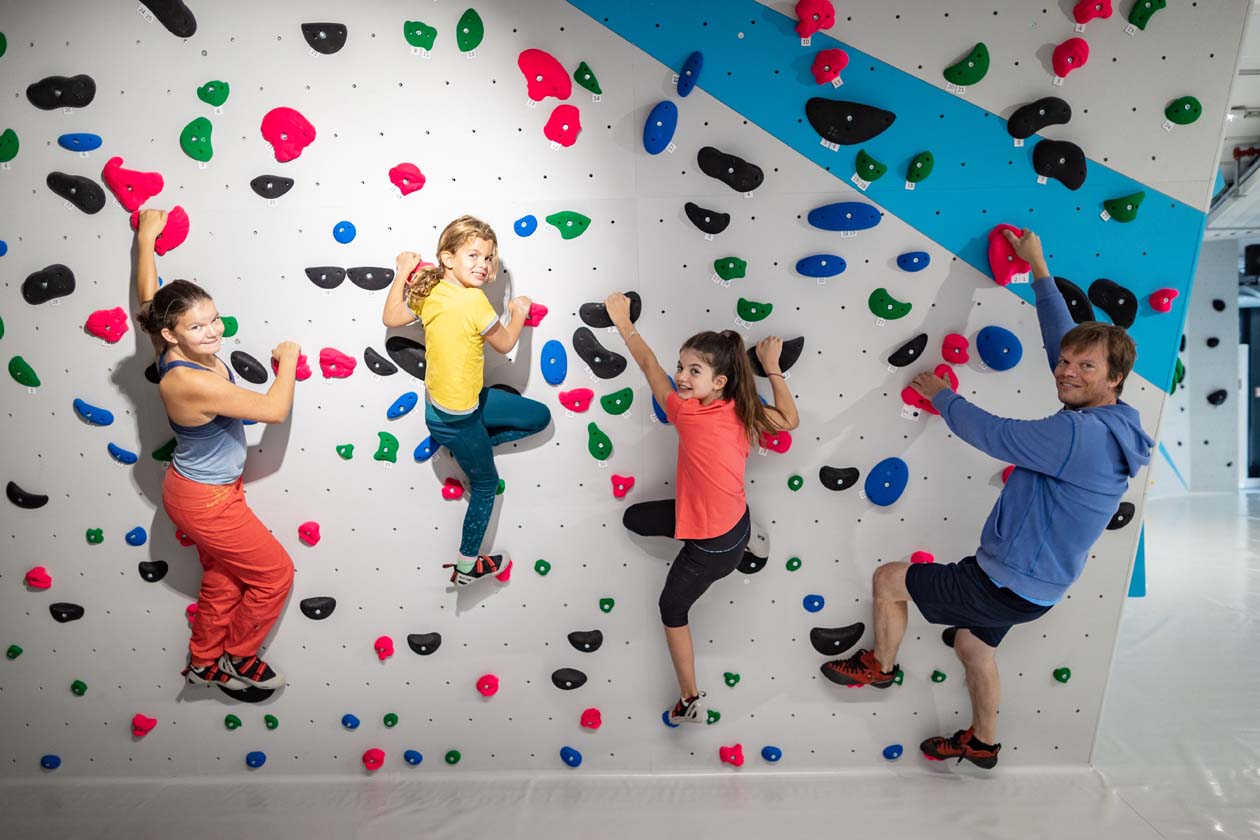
column 781, row 376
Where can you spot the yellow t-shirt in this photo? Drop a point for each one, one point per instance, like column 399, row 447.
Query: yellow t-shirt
column 456, row 320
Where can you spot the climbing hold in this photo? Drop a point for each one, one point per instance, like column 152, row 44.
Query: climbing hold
column 525, row 225
column 914, row 261
column 9, row 145
column 536, row 314
column 564, row 125
column 542, row 567
column 403, row 405
column 1218, row 305
column 813, row 16
column 838, row 478
column 231, row 326
column 1212, row 341
column 544, row 75
column 1077, row 301
column 771, row 754
column 452, row 757
column 349, row 721
column 407, row 354
column 1124, row 208
column 79, row 142
column 922, row 557
column 836, row 640
column 868, row 168
column 488, row 685
column 13, row 652
column 174, row 15
column 730, row 268
column 247, row 367
column 136, row 537
column 55, row 92
column 182, row 538
column 288, row 132
column 570, row 223
column 324, row 38
column 554, row 362
column 271, row 721
column 78, row 688
column 844, row 216
column 413, row 757
column 1004, row 263
column 913, row 398
column 999, row 348
column 751, row 311
column 1087, row 10
column 373, row 759
column 37, row 577
column 1119, row 303
column 732, row 755
column 607, row 604
column 308, row 532
column 333, row 363
column 596, row 314
column 301, row 371
column 597, row 443
column 885, row 306
column 95, row 536
column 585, row 77
column 1061, row 160
column 255, row 758
column 384, row 647
column 787, row 357
column 910, row 352
column 1063, row 674
column 419, row 34
column 971, row 68
column 659, row 127
column 1028, row 119
column 344, row 232
column 214, row 92
column 938, row 676
column 735, row 172
column 1142, row 11
column 778, row 442
column 142, row 725
column 618, row 402
column 732, row 679
column 424, row 643
column 92, row 414
column 844, row 123
column 23, row 373
column 795, row 483
column 166, row 452
column 570, row 756
column 621, row 485
column 131, row 187
column 1217, row 397
column 821, row 265
column 1071, row 55
column 469, row 31
column 887, row 481
column 587, row 641
column 892, row 752
column 79, row 190
column 174, row 232
column 425, row 450
column 452, row 489
column 793, row 564
column 828, row 64
column 690, row 73
column 591, row 718
column 1184, row 110
column 52, row 282
column 318, row 608
column 387, row 448
column 710, row 222
column 1161, row 299
column 407, row 177
column 1123, row 514
column 567, row 679
column 271, row 187
column 603, row 363
column 370, row 278
column 109, row 325
column 153, row 571
column 813, row 603
column 195, row 140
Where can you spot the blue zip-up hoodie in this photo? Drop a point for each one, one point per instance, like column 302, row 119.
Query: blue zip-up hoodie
column 1071, row 470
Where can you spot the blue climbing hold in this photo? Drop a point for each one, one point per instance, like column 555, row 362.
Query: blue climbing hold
column 554, row 361
column 690, row 73
column 122, row 456
column 426, row 450
column 343, row 232
column 571, row 757
column 656, row 407
column 136, row 536
column 844, row 215
column 658, row 130
column 50, row 761
column 349, row 721
column 665, row 720
column 92, row 414
column 403, row 405
column 892, row 752
column 913, row 261
column 413, row 757
column 525, row 225
column 771, row 754
column 257, row 758
column 4, row 247
column 999, row 348
column 813, row 603
column 821, row 265
column 886, row 481
column 79, row 142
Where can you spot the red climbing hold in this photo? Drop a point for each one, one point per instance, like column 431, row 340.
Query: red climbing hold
column 536, row 313
column 335, row 364
column 38, row 578
column 190, row 612
column 488, row 685
column 734, row 755
column 954, row 349
column 131, row 187
column 1161, row 299
column 172, row 235
column 303, row 371
column 1087, row 10
column 407, row 177
column 384, row 647
column 1006, row 473
column 813, row 15
column 374, row 759
column 183, row 539
column 913, row 398
column 828, row 64
column 578, row 400
column 780, row 441
column 308, row 532
column 107, row 324
column 288, row 132
column 1070, row 55
column 922, row 557
column 142, row 725
column 564, row 125
column 622, row 484
column 592, row 719
column 452, row 489
column 544, row 75
column 1003, row 261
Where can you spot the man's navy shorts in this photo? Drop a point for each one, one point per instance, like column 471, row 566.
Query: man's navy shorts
column 962, row 595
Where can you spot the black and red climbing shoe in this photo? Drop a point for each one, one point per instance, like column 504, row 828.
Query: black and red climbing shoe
column 487, row 565
column 691, row 710
column 862, row 668
column 211, row 674
column 962, row 744
column 252, row 671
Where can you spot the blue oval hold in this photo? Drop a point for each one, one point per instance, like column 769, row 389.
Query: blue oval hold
column 554, row 360
column 821, row 265
column 771, row 754
column 122, row 456
column 690, row 73
column 344, row 232
column 426, row 450
column 661, row 417
column 844, row 215
column 4, row 247
column 403, row 405
column 658, row 129
column 999, row 348
column 249, row 422
column 571, row 757
column 813, row 603
column 79, row 142
column 892, row 752
column 665, row 720
column 413, row 757
column 349, row 721
column 886, row 481
column 92, row 414
column 50, row 761
column 913, row 261
column 525, row 225
column 257, row 758
column 136, row 536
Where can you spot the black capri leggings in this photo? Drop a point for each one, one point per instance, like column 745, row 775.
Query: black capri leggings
column 698, row 565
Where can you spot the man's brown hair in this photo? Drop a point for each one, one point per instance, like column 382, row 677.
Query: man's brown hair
column 1121, row 351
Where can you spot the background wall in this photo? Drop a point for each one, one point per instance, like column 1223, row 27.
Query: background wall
column 386, row 531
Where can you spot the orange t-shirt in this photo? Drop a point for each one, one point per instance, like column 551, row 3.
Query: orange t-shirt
column 712, row 450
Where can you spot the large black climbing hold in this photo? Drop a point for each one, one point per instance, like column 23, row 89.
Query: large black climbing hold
column 587, row 641
column 371, row 278
column 596, row 314
column 735, row 172
column 79, row 190
column 407, row 354
column 325, row 38
column 424, row 643
column 833, row 641
column 1061, row 160
column 23, row 499
column 318, row 608
column 846, row 123
column 153, row 570
column 750, row 563
column 603, row 362
column 326, row 276
column 151, row 374
column 709, row 221
column 174, row 15
column 948, row 635
column 1120, row 304
column 838, row 478
column 567, row 679
column 787, row 356
column 247, row 367
column 62, row 92
column 271, row 186
column 52, row 282
column 1031, row 118
column 1218, row 396
column 1124, row 513
column 909, row 352
column 1076, row 299
column 249, row 694
column 64, row 612
column 378, row 364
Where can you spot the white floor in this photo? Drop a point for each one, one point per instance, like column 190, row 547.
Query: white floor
column 1177, row 754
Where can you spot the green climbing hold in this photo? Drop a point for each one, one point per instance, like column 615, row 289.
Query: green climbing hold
column 971, row 68
column 732, row 679
column 345, row 450
column 795, row 483
column 214, row 92
column 95, row 536
column 4, row 44
column 868, row 168
column 884, row 305
column 1124, row 208
column 1, row 328
column 1184, row 110
column 542, row 567
column 920, row 167
column 230, row 325
column 752, row 311
column 388, row 449
column 1142, row 11
column 793, row 564
column 618, row 402
column 390, row 720
column 606, row 604
column 78, row 688
column 271, row 721
column 585, row 77
column 8, row 145
column 13, row 652
column 453, row 756
column 713, row 717
column 23, row 373
column 165, row 452
column 469, row 31
column 938, row 676
column 1179, row 374
column 498, row 491
column 1063, row 674
column 419, row 34
column 195, row 140
column 598, row 443
column 730, row 268
column 899, row 677
column 570, row 223
column 232, row 722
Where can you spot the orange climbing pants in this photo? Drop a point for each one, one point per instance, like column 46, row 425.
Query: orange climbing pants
column 247, row 574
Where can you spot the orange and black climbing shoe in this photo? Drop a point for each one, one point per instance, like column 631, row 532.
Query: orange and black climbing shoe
column 862, row 668
column 486, row 566
column 962, row 744
column 211, row 674
column 252, row 671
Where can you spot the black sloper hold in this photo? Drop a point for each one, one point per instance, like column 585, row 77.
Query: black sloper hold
column 710, row 221
column 787, row 356
column 407, row 354
column 1217, row 397
column 846, row 123
column 1124, row 513
column 79, row 190
column 596, row 314
column 326, row 276
column 909, row 352
column 838, row 478
column 1062, row 161
column 735, row 172
column 948, row 635
column 587, row 641
column 325, row 38
column 1182, row 347
column 64, row 612
column 1077, row 301
column 1119, row 303
column 1031, row 118
column 567, row 679
column 506, row 388
column 378, row 364
column 271, row 186
column 249, row 694
column 151, row 374
column 1218, row 304
column 174, row 15
column 833, row 641
column 318, row 608
column 424, row 643
column 750, row 563
column 247, row 367
column 153, row 570
column 23, row 499
column 62, row 92
column 371, row 278
column 603, row 362
column 1212, row 341
column 53, row 282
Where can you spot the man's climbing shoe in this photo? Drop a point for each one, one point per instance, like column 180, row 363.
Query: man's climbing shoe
column 252, row 671
column 858, row 670
column 492, row 565
column 211, row 674
column 962, row 744
column 691, row 710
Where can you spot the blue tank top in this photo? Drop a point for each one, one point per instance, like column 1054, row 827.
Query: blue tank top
column 212, row 453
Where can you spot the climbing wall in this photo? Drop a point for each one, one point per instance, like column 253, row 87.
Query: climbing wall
column 457, row 107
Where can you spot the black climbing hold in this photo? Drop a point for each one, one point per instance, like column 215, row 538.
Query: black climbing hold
column 1031, row 118
column 909, row 352
column 1062, row 161
column 407, row 354
column 1218, row 304
column 23, row 499
column 750, row 563
column 787, row 356
column 838, row 478
column 326, row 276
column 846, row 123
column 587, row 641
column 64, row 612
column 424, row 643
column 603, row 362
column 153, row 570
column 1212, row 341
column 948, row 635
column 151, row 374
column 325, row 38
column 318, row 608
column 735, row 172
column 62, row 92
column 52, row 282
column 832, row 641
column 378, row 364
column 249, row 694
column 371, row 278
column 709, row 221
column 568, row 679
column 596, row 314
column 247, row 367
column 1077, row 301
column 1182, row 347
column 1123, row 514
column 174, row 15
column 1119, row 303
column 271, row 186
column 504, row 387
column 79, row 190
column 1218, row 396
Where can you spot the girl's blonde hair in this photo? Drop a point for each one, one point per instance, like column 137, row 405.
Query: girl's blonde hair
column 453, row 237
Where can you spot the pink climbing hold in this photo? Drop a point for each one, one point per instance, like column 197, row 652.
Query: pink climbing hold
column 828, row 64
column 142, row 725
column 488, row 685
column 190, row 612
column 954, row 349
column 813, row 15
column 173, row 233
column 452, row 489
column 107, row 324
column 37, row 577
column 577, row 400
column 132, row 188
column 1087, row 10
column 308, row 532
column 407, row 177
column 592, row 719
column 335, row 364
column 564, row 125
column 536, row 313
column 1006, row 473
column 288, row 132
column 374, row 759
column 183, row 539
column 922, row 557
column 544, row 75
column 303, row 371
column 505, row 575
column 914, row 399
column 1003, row 261
column 1161, row 299
column 733, row 755
column 1070, row 55
column 384, row 647
column 780, row 441
column 622, row 484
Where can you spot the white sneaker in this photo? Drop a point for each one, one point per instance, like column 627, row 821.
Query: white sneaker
column 694, row 712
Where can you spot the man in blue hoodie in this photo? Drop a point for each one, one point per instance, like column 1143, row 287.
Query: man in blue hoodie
column 1071, row 470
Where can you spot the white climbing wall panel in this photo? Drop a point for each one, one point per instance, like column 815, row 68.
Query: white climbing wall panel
column 386, row 532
